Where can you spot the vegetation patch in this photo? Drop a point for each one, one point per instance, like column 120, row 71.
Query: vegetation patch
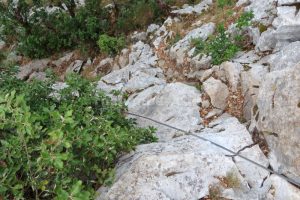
column 60, row 144
column 224, row 45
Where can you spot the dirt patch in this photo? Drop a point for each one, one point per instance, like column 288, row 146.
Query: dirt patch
column 235, row 104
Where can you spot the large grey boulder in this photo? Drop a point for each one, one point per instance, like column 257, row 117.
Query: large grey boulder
column 185, row 168
column 174, row 103
column 286, row 57
column 217, row 91
column 279, row 118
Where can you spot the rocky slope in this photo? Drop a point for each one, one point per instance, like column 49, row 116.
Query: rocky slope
column 260, row 87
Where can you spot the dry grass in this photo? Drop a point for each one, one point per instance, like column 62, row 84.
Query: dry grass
column 231, row 180
column 227, row 15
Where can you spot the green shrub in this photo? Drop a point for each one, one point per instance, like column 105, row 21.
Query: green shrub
column 60, row 149
column 111, row 45
column 244, row 20
column 223, row 46
column 41, row 34
column 223, row 3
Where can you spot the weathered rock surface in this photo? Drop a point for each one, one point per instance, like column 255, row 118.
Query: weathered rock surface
column 282, row 190
column 75, row 66
column 232, row 73
column 286, row 57
column 217, row 91
column 287, row 2
column 279, row 107
column 186, row 167
column 34, row 66
column 267, row 41
column 174, row 103
column 250, row 81
column 264, row 11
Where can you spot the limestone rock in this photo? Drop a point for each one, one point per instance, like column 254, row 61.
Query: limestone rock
column 232, row 73
column 123, row 58
column 217, row 91
column 37, row 76
column 75, row 66
column 286, row 15
column 139, row 36
column 251, row 81
column 63, row 60
column 141, row 81
column 264, row 11
column 152, row 27
column 104, row 67
column 185, row 167
column 281, row 189
column 267, row 41
column 178, row 51
column 279, row 118
column 33, row 66
column 199, row 8
column 174, row 103
column 287, row 2
column 286, row 57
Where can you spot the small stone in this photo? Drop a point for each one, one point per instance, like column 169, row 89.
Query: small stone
column 206, row 74
column 213, row 113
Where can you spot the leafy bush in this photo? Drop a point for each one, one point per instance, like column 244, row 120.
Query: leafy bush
column 111, row 45
column 60, row 144
column 244, row 20
column 223, row 46
column 41, row 33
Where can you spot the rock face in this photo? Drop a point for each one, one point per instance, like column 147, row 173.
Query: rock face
column 279, row 107
column 174, row 103
column 287, row 2
column 288, row 56
column 186, row 167
column 183, row 167
column 264, row 11
column 232, row 73
column 217, row 91
column 251, row 81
